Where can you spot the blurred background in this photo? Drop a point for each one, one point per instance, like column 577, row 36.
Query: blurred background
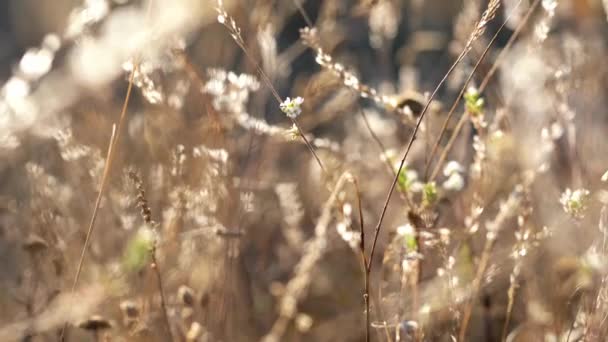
column 219, row 224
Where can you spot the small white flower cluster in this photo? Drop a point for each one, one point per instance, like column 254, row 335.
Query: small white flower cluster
column 453, row 170
column 543, row 27
column 230, row 91
column 292, row 108
column 143, row 78
column 349, row 78
column 480, row 156
column 69, row 149
column 225, row 19
column 408, row 234
column 575, row 202
column 344, row 227
column 82, row 17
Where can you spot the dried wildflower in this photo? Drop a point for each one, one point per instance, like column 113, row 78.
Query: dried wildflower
column 575, row 202
column 486, row 17
column 349, row 78
column 292, row 108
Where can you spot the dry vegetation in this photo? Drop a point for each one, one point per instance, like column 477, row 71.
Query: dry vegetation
column 257, row 170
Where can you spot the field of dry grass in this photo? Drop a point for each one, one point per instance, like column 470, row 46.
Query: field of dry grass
column 303, row 170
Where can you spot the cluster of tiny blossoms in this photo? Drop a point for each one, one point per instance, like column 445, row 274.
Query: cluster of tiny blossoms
column 292, row 108
column 575, row 202
column 230, row 91
column 544, row 26
column 349, row 79
column 453, row 171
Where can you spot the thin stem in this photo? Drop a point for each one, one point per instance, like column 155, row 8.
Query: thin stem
column 159, row 283
column 482, row 87
column 487, row 15
column 510, row 42
column 507, row 210
column 505, row 327
column 304, row 14
column 459, row 97
column 104, row 180
column 236, row 35
column 310, row 147
column 483, row 264
column 409, row 146
column 363, row 261
column 383, row 152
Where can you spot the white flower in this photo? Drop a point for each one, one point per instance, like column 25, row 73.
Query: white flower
column 575, row 202
column 292, row 108
column 453, row 170
column 452, row 167
column 405, row 230
column 416, row 186
column 455, row 182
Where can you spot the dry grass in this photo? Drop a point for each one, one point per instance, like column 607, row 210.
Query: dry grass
column 304, row 171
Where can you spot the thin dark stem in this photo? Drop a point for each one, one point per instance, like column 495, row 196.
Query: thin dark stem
column 303, row 12
column 277, row 97
column 87, row 240
column 366, row 299
column 483, row 264
column 310, row 147
column 378, row 141
column 159, row 283
column 459, row 97
column 409, row 146
column 146, row 214
column 382, row 148
column 482, row 87
column 363, row 262
column 510, row 42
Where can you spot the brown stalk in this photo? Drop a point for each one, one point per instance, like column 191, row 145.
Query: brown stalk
column 146, row 214
column 460, row 94
column 102, row 188
column 482, row 87
column 506, row 211
column 409, row 146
